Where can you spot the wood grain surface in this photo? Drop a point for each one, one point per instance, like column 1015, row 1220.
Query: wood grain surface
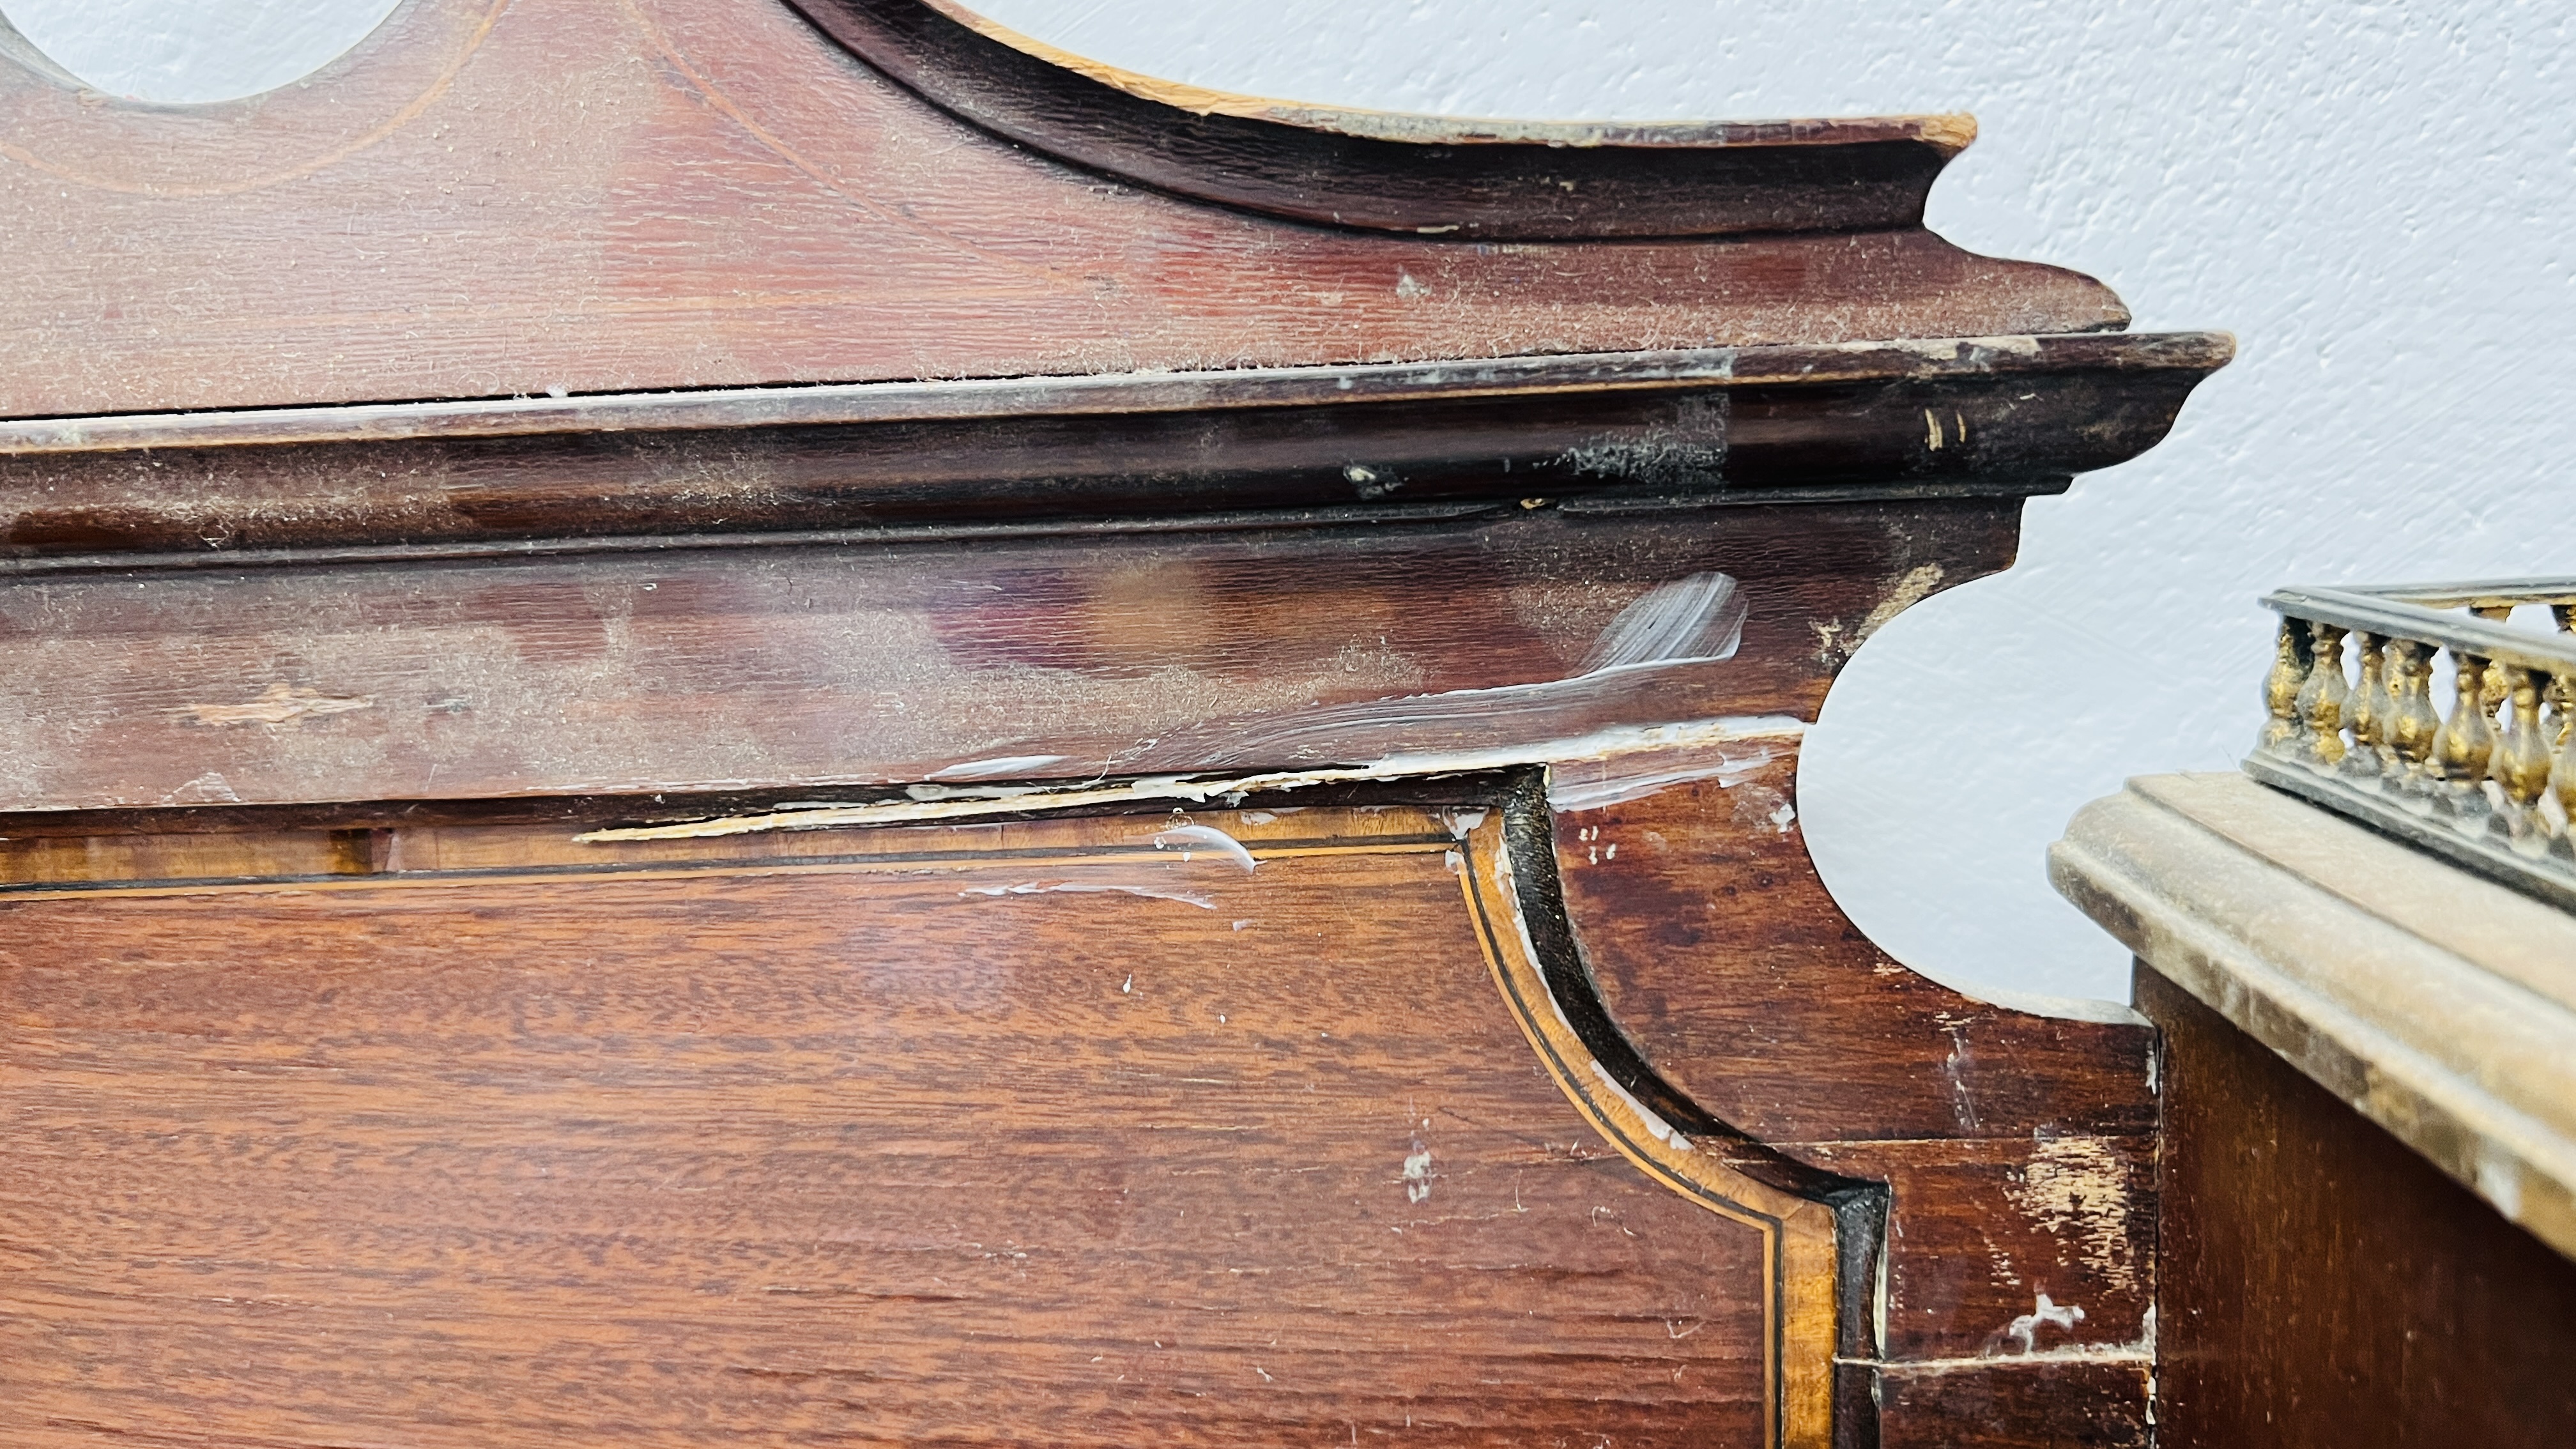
column 2019, row 1150
column 2324, row 1284
column 797, row 668
column 976, row 1150
column 2063, row 1405
column 2002, row 1273
column 489, row 198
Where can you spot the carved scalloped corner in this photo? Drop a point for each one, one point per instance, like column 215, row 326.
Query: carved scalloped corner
column 1821, row 1233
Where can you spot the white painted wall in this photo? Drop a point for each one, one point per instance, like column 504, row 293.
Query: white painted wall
column 2376, row 198
column 191, row 51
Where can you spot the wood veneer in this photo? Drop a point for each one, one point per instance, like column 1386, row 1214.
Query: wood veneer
column 372, row 1022
column 551, row 454
column 2325, row 1285
column 1008, row 1130
column 487, row 199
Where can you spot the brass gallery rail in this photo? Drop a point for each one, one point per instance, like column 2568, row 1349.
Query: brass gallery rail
column 2491, row 782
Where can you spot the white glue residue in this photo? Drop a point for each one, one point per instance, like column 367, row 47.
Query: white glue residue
column 1043, row 887
column 953, row 804
column 1694, row 619
column 1187, row 838
column 2022, row 1334
column 2076, row 1189
column 1618, row 780
column 1656, row 1127
column 1000, row 767
column 1417, row 1173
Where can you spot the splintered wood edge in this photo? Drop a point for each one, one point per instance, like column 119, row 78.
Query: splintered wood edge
column 1949, row 133
column 1798, row 1235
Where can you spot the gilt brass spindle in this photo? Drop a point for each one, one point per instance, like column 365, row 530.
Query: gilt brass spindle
column 2370, row 710
column 2560, row 696
column 2466, row 742
column 2494, row 685
column 2322, row 697
column 2522, row 762
column 2281, row 688
column 2562, row 768
column 2412, row 723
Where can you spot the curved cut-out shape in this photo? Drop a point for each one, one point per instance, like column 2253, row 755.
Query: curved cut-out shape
column 893, row 241
column 1384, row 171
column 174, row 52
column 373, row 90
column 1817, row 1229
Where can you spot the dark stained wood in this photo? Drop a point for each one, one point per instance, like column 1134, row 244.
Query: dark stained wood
column 791, row 668
column 2018, row 1150
column 974, row 459
column 1705, row 874
column 1385, row 171
column 1976, row 1228
column 2324, row 1284
column 2060, row 1405
column 487, row 200
column 975, row 1134
column 462, row 514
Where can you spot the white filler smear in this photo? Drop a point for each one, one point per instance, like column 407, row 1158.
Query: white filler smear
column 1599, row 745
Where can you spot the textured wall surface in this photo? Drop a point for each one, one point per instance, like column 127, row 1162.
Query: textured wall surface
column 2377, row 199
column 184, row 51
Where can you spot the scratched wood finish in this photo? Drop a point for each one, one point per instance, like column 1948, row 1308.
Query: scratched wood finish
column 487, row 199
column 965, row 1149
column 787, row 667
column 2324, row 1284
column 2019, row 1150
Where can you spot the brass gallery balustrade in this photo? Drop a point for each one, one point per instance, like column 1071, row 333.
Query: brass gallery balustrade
column 2489, row 780
column 2360, row 956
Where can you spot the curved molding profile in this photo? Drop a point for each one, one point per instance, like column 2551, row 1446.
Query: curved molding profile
column 784, row 214
column 1820, row 1232
column 874, row 462
column 1386, row 171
